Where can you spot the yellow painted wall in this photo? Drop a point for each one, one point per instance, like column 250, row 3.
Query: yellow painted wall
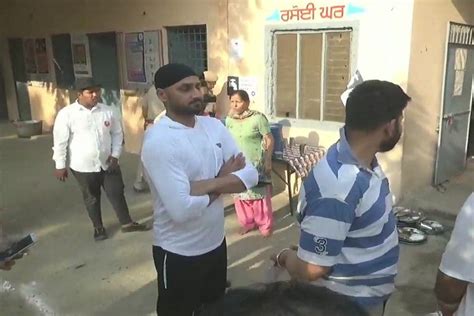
column 383, row 48
column 31, row 18
column 133, row 123
column 46, row 100
column 425, row 84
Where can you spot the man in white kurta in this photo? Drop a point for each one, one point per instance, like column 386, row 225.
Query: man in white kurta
column 88, row 139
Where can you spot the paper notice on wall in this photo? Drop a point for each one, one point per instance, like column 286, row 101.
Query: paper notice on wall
column 460, row 60
column 236, row 49
column 81, row 56
column 250, row 85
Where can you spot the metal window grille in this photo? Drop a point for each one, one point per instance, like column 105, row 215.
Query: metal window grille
column 188, row 45
column 462, row 34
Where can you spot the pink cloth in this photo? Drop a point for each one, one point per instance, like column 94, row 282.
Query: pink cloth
column 251, row 213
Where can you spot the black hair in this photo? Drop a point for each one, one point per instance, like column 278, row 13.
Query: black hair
column 242, row 94
column 288, row 298
column 374, row 103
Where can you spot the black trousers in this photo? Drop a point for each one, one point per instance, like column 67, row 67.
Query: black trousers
column 91, row 184
column 185, row 284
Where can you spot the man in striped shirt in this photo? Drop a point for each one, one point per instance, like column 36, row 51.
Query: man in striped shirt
column 349, row 241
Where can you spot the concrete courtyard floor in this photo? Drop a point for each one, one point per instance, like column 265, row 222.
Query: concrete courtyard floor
column 67, row 273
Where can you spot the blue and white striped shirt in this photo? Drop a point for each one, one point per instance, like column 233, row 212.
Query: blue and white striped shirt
column 347, row 224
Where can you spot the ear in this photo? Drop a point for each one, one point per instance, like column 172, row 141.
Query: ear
column 391, row 127
column 162, row 95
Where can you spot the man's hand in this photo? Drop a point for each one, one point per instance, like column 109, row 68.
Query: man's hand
column 449, row 292
column 212, row 198
column 273, row 257
column 296, row 267
column 446, row 311
column 235, row 163
column 61, row 174
column 113, row 163
column 147, row 124
column 225, row 182
column 7, row 265
column 280, row 257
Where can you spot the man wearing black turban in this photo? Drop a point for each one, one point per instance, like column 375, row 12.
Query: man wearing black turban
column 190, row 161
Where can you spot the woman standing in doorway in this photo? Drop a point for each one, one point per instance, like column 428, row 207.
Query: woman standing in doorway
column 251, row 131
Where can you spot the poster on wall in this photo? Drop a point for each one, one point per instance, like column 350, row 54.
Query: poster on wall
column 80, row 55
column 153, row 59
column 135, row 57
column 232, row 84
column 143, row 56
column 30, row 60
column 41, row 56
column 248, row 84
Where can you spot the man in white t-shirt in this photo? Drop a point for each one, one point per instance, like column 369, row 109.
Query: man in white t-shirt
column 455, row 282
column 190, row 161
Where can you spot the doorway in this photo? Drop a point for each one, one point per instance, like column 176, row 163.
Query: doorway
column 19, row 76
column 105, row 69
column 457, row 103
column 3, row 99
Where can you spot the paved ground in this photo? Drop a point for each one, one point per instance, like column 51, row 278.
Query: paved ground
column 67, row 273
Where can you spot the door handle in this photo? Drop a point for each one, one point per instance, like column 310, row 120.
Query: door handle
column 452, row 115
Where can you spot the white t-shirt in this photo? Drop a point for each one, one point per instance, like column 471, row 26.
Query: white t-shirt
column 173, row 155
column 458, row 258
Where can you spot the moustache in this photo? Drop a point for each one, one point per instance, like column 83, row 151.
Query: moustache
column 197, row 101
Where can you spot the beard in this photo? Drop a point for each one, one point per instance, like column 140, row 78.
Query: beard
column 194, row 108
column 389, row 144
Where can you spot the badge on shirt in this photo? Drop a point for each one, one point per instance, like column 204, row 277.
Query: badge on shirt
column 320, row 246
column 106, row 123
